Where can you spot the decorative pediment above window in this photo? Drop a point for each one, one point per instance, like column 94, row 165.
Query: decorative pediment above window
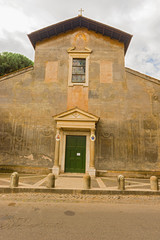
column 74, row 50
column 76, row 118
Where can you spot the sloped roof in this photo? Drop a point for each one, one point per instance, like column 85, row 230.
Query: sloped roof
column 16, row 73
column 142, row 75
column 77, row 22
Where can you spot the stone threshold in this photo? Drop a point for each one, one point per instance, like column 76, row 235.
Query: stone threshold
column 72, row 175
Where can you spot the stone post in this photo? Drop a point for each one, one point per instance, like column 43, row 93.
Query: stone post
column 92, row 170
column 154, row 183
column 86, row 181
column 55, row 168
column 14, row 180
column 50, row 180
column 121, row 182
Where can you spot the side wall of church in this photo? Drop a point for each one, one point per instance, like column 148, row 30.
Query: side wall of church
column 26, row 132
column 128, row 135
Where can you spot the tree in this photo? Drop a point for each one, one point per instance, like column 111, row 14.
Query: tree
column 10, row 62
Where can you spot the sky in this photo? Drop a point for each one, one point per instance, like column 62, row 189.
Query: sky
column 139, row 18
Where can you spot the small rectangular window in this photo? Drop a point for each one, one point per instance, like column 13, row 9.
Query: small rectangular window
column 78, row 70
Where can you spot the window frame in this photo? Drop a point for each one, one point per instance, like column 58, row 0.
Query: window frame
column 79, row 54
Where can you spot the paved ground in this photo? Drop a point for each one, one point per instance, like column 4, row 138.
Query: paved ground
column 78, row 216
column 72, row 181
column 88, row 221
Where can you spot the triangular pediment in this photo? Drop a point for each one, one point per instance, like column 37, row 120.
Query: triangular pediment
column 74, row 50
column 76, row 114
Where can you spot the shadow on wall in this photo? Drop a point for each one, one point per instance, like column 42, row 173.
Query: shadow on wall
column 23, row 142
column 128, row 144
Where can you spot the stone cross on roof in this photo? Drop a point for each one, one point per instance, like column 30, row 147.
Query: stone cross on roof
column 81, row 10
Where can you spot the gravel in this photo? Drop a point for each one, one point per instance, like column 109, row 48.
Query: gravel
column 51, row 197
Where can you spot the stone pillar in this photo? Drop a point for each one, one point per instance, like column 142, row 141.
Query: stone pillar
column 121, row 182
column 154, row 183
column 86, row 181
column 92, row 170
column 55, row 168
column 14, row 180
column 50, row 180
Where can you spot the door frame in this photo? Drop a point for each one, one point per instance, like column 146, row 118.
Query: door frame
column 62, row 156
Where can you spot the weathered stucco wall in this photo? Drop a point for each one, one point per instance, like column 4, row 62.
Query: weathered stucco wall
column 128, row 134
column 126, row 102
column 26, row 124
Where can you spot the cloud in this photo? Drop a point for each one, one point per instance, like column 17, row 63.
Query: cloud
column 16, row 42
column 140, row 18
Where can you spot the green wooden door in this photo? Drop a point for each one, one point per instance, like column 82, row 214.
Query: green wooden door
column 75, row 154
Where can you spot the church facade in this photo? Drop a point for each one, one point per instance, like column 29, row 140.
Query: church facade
column 79, row 109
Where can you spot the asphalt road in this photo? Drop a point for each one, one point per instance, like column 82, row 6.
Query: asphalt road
column 20, row 220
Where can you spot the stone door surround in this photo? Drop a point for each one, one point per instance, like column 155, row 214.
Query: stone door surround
column 75, row 122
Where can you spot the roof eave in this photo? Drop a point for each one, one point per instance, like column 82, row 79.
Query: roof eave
column 79, row 22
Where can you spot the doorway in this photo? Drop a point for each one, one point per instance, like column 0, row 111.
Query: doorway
column 75, row 154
